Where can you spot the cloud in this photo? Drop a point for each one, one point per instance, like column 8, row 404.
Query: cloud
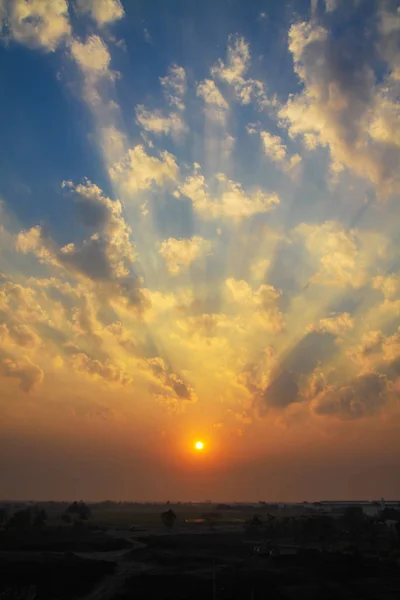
column 211, row 94
column 286, row 374
column 34, row 240
column 337, row 325
column 101, row 11
column 206, row 325
column 232, row 201
column 170, row 389
column 113, row 143
column 364, row 396
column 389, row 43
column 21, row 302
column 336, row 253
column 260, row 267
column 93, row 59
column 156, row 122
column 256, row 375
column 378, row 352
column 113, row 246
column 124, row 337
column 105, row 258
column 41, row 24
column 264, row 302
column 273, row 146
column 19, row 334
column 235, row 70
column 282, row 391
column 138, row 171
column 106, row 370
column 331, row 5
column 389, row 285
column 3, row 13
column 174, row 85
column 342, row 107
column 179, row 254
column 28, row 374
column 92, row 56
column 391, row 347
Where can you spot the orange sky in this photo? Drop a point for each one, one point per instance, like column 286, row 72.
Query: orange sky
column 199, row 224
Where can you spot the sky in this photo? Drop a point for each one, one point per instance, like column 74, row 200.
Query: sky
column 199, row 217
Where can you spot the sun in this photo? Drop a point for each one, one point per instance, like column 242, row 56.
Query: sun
column 199, row 445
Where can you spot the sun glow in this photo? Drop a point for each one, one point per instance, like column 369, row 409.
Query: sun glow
column 199, row 445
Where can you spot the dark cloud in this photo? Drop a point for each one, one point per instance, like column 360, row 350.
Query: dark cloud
column 363, row 397
column 28, row 374
column 90, row 259
column 91, row 212
column 171, row 384
column 313, row 349
column 282, row 391
column 285, row 383
column 107, row 257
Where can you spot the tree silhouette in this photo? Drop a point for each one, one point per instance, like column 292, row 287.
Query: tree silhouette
column 168, row 518
column 66, row 519
column 254, row 524
column 81, row 509
column 20, row 519
column 353, row 520
column 39, row 518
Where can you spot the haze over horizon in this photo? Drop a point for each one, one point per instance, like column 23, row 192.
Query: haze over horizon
column 199, row 217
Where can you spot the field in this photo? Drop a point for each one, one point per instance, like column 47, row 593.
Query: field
column 149, row 515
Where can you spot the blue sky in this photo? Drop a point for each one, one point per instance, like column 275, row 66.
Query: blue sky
column 199, row 235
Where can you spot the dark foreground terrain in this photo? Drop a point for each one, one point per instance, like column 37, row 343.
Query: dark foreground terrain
column 221, row 566
column 52, row 577
column 121, row 553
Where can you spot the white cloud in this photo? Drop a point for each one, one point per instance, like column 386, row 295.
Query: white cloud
column 38, row 23
column 337, row 325
column 21, row 302
column 294, row 161
column 235, row 70
column 273, row 146
column 138, row 170
column 180, row 253
column 156, row 122
column 342, row 107
column 232, row 201
column 174, row 85
column 264, row 302
column 32, row 240
column 337, row 254
column 101, row 11
column 389, row 285
column 211, row 94
column 93, row 58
